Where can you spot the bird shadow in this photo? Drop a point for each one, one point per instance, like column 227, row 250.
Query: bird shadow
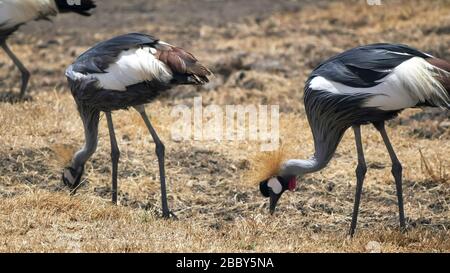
column 12, row 97
column 29, row 167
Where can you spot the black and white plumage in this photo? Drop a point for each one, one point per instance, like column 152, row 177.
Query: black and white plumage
column 126, row 71
column 15, row 13
column 367, row 84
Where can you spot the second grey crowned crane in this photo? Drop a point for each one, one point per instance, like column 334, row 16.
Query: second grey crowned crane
column 126, row 71
column 363, row 85
column 15, row 13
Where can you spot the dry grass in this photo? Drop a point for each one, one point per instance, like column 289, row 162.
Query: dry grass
column 54, row 222
column 435, row 171
column 211, row 184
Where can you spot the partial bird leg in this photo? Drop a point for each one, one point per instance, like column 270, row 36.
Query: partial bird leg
column 396, row 171
column 115, row 154
column 160, row 151
column 23, row 70
column 361, row 170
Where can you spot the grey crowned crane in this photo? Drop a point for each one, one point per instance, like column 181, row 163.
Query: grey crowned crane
column 15, row 13
column 126, row 71
column 365, row 85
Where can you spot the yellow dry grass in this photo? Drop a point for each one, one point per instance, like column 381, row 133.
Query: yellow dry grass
column 212, row 184
column 53, row 222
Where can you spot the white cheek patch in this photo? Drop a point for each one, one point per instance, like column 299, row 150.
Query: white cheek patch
column 275, row 185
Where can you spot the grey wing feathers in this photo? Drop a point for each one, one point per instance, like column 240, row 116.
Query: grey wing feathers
column 364, row 66
column 100, row 56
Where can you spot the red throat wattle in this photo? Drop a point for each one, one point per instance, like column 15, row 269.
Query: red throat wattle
column 292, row 184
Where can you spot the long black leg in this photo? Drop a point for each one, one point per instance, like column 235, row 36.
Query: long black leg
column 115, row 154
column 361, row 170
column 396, row 171
column 160, row 151
column 23, row 70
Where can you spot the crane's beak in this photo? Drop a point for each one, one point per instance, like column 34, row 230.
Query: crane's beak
column 273, row 201
column 71, row 177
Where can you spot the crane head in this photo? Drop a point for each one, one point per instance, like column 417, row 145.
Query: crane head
column 71, row 177
column 274, row 187
column 82, row 7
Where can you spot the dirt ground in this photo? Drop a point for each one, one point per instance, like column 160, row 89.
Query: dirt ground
column 261, row 52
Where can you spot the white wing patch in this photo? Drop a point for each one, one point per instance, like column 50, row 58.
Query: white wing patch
column 421, row 79
column 133, row 66
column 323, row 84
column 13, row 12
column 411, row 82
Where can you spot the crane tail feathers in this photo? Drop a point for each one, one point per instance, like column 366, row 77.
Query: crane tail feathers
column 443, row 76
column 427, row 81
column 184, row 65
